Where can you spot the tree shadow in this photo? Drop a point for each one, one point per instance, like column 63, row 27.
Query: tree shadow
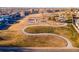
column 5, row 27
column 15, row 49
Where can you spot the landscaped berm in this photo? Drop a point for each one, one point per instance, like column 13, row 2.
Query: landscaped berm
column 14, row 39
column 46, row 41
column 39, row 29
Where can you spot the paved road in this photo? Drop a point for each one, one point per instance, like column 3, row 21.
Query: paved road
column 69, row 45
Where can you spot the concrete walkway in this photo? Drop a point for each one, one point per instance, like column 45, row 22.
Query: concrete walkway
column 19, row 28
column 69, row 45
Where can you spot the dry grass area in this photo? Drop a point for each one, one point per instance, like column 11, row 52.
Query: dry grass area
column 18, row 26
column 40, row 29
column 15, row 39
column 14, row 36
column 43, row 41
column 70, row 33
column 66, row 31
column 8, row 38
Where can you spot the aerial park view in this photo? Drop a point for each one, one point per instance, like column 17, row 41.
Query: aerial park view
column 39, row 29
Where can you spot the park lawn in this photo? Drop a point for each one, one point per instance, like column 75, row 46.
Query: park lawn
column 68, row 32
column 12, row 38
column 39, row 29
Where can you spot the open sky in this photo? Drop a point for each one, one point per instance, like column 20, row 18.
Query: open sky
column 39, row 3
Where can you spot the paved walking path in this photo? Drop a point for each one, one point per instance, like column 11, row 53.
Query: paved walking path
column 19, row 27
column 69, row 45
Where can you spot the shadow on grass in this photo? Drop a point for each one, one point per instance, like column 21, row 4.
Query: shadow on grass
column 5, row 27
column 15, row 49
column 26, row 49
